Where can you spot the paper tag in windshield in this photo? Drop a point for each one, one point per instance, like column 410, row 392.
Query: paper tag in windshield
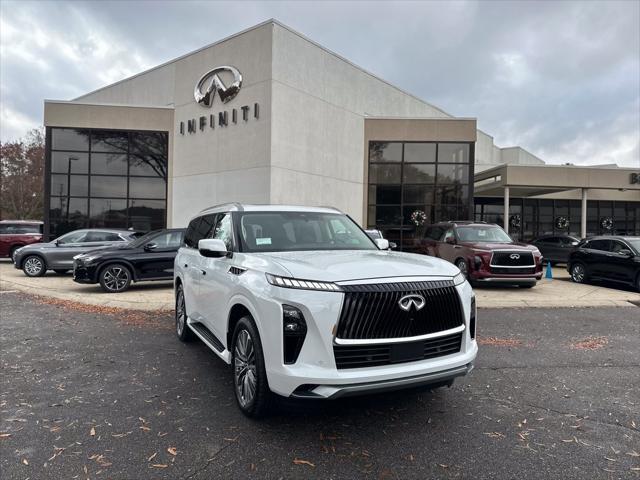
column 482, row 233
column 263, row 241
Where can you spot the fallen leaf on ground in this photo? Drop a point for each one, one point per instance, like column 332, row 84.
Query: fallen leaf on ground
column 159, row 465
column 5, row 435
column 152, row 457
column 172, row 450
column 92, row 432
column 590, row 343
column 299, row 461
column 499, row 342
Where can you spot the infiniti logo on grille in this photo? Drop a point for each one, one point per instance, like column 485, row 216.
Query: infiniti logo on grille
column 407, row 301
column 514, row 256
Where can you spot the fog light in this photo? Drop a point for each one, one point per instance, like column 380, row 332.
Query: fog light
column 294, row 331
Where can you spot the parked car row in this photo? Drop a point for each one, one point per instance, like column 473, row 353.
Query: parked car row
column 483, row 252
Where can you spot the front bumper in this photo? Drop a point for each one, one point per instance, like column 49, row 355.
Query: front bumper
column 510, row 280
column 315, row 373
column 83, row 273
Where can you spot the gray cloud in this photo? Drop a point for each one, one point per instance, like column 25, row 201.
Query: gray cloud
column 561, row 79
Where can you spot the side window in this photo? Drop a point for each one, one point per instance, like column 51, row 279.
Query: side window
column 168, row 240
column 602, row 245
column 102, row 237
column 4, row 228
column 199, row 228
column 73, row 237
column 223, row 230
column 617, row 246
column 449, row 234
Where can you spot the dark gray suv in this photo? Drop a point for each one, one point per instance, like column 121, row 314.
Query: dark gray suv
column 57, row 255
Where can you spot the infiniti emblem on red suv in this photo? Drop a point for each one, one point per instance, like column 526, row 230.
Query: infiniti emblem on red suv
column 407, row 301
column 514, row 256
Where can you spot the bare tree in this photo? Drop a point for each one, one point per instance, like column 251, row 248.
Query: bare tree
column 22, row 177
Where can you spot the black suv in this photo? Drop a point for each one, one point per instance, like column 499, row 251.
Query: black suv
column 149, row 257
column 610, row 258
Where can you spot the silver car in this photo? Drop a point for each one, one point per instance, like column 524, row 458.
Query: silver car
column 57, row 255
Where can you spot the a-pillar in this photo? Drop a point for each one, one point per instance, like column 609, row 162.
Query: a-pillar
column 583, row 214
column 506, row 209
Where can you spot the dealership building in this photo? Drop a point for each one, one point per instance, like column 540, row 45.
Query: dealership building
column 268, row 116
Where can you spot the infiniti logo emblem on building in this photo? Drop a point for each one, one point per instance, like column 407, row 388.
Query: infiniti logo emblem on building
column 210, row 83
column 514, row 256
column 407, row 301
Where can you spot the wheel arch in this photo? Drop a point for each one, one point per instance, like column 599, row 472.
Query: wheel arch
column 113, row 261
column 240, row 307
column 39, row 255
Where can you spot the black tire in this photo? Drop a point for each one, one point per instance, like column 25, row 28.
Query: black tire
column 115, row 278
column 578, row 273
column 262, row 400
column 34, row 266
column 461, row 263
column 61, row 272
column 184, row 333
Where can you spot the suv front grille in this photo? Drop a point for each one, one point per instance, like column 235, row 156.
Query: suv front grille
column 371, row 311
column 512, row 259
column 513, row 271
column 358, row 356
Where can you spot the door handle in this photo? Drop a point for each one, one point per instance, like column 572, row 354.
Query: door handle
column 204, row 272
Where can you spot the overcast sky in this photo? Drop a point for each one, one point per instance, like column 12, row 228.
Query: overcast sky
column 561, row 79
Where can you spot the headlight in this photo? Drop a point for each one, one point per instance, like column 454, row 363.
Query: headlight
column 287, row 282
column 86, row 259
column 459, row 279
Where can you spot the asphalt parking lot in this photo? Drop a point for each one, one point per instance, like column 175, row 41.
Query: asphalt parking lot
column 89, row 392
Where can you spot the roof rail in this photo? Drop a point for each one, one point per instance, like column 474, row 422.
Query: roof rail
column 238, row 205
column 330, row 207
column 466, row 222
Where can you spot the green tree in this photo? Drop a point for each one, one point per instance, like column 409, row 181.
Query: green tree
column 22, row 177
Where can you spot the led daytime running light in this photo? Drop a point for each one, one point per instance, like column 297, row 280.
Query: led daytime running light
column 286, row 282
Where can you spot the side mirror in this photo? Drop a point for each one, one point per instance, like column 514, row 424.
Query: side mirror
column 393, row 245
column 57, row 242
column 212, row 248
column 625, row 253
column 382, row 243
column 150, row 246
column 451, row 240
column 574, row 244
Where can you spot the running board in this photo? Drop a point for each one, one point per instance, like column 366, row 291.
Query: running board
column 209, row 339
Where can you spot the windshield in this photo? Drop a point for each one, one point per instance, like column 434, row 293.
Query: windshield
column 294, row 231
column 483, row 234
column 635, row 243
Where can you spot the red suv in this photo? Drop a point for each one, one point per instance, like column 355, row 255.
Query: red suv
column 484, row 253
column 18, row 233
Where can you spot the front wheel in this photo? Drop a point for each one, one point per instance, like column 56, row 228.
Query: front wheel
column 33, row 266
column 251, row 388
column 115, row 278
column 578, row 273
column 184, row 333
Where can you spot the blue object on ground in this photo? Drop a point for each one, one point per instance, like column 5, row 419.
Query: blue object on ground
column 549, row 272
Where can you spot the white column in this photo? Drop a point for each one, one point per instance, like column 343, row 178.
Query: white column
column 583, row 214
column 506, row 209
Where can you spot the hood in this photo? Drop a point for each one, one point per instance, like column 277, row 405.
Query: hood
column 336, row 266
column 499, row 246
column 105, row 250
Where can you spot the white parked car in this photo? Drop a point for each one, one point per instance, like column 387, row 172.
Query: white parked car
column 304, row 304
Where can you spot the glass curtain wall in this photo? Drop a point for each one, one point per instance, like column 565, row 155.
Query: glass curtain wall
column 413, row 184
column 105, row 179
column 561, row 217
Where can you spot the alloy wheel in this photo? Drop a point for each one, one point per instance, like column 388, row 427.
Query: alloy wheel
column 33, row 266
column 116, row 278
column 462, row 265
column 245, row 368
column 577, row 273
column 180, row 312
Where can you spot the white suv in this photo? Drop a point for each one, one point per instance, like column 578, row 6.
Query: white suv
column 304, row 304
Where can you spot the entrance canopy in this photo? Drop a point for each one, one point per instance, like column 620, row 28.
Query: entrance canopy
column 557, row 181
